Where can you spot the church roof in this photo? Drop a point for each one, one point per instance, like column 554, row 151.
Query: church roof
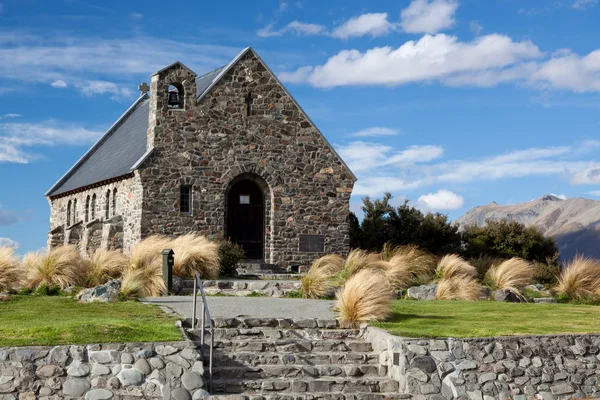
column 113, row 155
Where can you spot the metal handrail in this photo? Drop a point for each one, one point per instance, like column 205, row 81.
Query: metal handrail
column 205, row 313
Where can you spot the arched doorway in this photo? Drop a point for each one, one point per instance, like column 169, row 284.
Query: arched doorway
column 246, row 217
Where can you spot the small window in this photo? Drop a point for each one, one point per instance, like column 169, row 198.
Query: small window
column 185, row 199
column 69, row 213
column 114, row 205
column 107, row 208
column 87, row 209
column 93, row 206
column 74, row 210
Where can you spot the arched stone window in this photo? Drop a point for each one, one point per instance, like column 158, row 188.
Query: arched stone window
column 74, row 210
column 114, row 202
column 69, row 213
column 87, row 208
column 93, row 206
column 175, row 96
column 107, row 208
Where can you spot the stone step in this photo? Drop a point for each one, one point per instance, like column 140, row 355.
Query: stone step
column 323, row 385
column 246, row 284
column 277, row 333
column 313, row 396
column 241, row 293
column 269, row 358
column 270, row 276
column 285, row 323
column 298, row 371
column 292, row 345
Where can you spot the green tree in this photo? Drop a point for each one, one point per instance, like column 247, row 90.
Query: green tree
column 506, row 239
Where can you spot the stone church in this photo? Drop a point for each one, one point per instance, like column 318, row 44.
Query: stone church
column 229, row 154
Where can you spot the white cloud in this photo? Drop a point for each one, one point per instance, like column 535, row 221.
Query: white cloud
column 59, row 84
column 561, row 196
column 268, row 31
column 16, row 138
column 6, row 242
column 588, row 175
column 416, row 154
column 373, row 24
column 441, row 200
column 431, row 58
column 283, row 5
column 428, row 16
column 584, row 4
column 376, row 131
column 594, row 193
column 475, row 27
column 10, row 115
column 7, row 217
column 136, row 16
column 296, row 27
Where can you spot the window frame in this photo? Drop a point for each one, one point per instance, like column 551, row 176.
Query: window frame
column 189, row 199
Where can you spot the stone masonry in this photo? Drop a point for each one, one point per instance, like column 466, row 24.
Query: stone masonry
column 103, row 371
column 211, row 143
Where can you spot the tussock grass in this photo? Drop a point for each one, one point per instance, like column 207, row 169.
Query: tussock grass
column 511, row 275
column 411, row 260
column 104, row 265
column 579, row 279
column 132, row 285
column 483, row 263
column 317, row 282
column 10, row 273
column 453, row 265
column 195, row 253
column 62, row 266
column 459, row 287
column 356, row 261
column 143, row 277
column 365, row 296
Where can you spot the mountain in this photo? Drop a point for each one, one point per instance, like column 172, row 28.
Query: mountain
column 574, row 223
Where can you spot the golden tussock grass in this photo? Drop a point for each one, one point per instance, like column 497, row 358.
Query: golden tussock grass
column 317, row 282
column 145, row 267
column 10, row 273
column 62, row 266
column 511, row 275
column 459, row 287
column 453, row 265
column 579, row 279
column 411, row 260
column 196, row 253
column 366, row 296
column 356, row 261
column 104, row 265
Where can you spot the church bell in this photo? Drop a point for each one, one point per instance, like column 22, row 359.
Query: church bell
column 173, row 99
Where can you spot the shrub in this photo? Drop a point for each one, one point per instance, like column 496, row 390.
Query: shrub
column 104, row 265
column 317, row 282
column 417, row 263
column 143, row 276
column 356, row 261
column 62, row 266
column 453, row 265
column 580, row 279
column 511, row 275
column 230, row 255
column 546, row 273
column 132, row 285
column 458, row 287
column 483, row 263
column 10, row 274
column 365, row 296
column 45, row 290
column 195, row 253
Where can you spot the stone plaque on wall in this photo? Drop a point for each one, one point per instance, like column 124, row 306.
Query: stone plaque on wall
column 312, row 244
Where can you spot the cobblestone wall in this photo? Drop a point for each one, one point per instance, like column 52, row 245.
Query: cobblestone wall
column 210, row 144
column 520, row 368
column 107, row 371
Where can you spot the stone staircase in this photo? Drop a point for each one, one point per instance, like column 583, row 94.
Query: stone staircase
column 283, row 359
column 245, row 287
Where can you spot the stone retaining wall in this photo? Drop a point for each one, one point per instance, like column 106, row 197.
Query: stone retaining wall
column 102, row 371
column 520, row 368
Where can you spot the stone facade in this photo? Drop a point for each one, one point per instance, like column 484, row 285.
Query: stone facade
column 211, row 144
column 519, row 368
column 103, row 371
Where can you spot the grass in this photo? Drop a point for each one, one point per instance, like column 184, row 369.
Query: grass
column 484, row 318
column 43, row 321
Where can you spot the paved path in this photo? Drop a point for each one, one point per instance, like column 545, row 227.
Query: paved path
column 259, row 307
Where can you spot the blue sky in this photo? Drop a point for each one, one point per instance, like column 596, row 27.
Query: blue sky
column 449, row 103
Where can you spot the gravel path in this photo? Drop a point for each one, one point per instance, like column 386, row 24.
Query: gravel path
column 259, row 307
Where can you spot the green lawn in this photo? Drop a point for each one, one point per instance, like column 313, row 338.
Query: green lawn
column 44, row 320
column 487, row 318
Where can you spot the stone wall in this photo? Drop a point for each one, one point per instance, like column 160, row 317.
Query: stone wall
column 520, row 368
column 106, row 371
column 79, row 232
column 210, row 144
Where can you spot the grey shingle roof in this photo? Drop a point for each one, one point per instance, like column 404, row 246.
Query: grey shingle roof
column 113, row 155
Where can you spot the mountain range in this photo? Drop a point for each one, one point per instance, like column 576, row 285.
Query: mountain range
column 574, row 223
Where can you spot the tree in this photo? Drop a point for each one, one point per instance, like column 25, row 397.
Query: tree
column 506, row 239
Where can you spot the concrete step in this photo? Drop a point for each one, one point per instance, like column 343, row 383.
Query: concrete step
column 323, row 385
column 276, row 333
column 246, row 284
column 313, row 396
column 291, row 345
column 298, row 371
column 277, row 358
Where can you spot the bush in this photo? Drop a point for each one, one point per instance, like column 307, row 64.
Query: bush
column 10, row 274
column 458, row 287
column 545, row 273
column 580, row 279
column 452, row 266
column 143, row 276
column 62, row 266
column 104, row 265
column 195, row 253
column 507, row 239
column 483, row 263
column 512, row 275
column 230, row 255
column 45, row 290
column 317, row 282
column 356, row 261
column 365, row 297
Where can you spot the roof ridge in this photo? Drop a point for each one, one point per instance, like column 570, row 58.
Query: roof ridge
column 96, row 145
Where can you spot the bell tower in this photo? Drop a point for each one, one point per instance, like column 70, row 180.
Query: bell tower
column 172, row 94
